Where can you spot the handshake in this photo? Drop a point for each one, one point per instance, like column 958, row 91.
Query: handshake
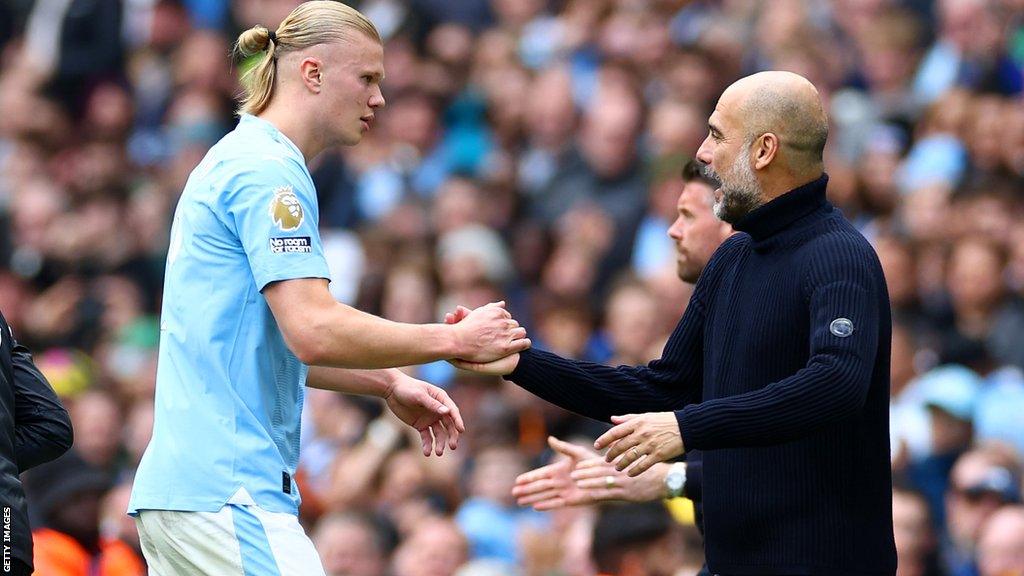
column 488, row 339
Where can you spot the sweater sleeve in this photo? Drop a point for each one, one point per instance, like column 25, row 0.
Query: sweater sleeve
column 842, row 293
column 669, row 383
column 600, row 392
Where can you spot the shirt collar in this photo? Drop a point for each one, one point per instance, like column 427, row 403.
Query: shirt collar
column 254, row 122
column 769, row 219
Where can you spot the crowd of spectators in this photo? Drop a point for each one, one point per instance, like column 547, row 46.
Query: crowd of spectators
column 530, row 152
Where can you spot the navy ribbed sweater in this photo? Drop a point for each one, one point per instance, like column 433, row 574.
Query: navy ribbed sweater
column 765, row 376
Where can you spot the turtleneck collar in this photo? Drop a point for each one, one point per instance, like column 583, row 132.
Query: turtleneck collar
column 769, row 219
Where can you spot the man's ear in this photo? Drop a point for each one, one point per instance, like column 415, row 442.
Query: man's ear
column 312, row 74
column 765, row 149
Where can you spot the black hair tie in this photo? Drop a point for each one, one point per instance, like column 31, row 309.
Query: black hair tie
column 273, row 36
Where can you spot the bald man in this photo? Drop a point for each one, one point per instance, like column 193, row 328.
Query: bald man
column 779, row 369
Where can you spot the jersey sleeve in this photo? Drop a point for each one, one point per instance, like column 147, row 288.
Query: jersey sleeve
column 273, row 210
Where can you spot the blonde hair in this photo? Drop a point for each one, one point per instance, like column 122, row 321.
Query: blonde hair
column 311, row 23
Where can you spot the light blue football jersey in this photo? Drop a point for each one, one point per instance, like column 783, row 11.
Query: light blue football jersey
column 229, row 392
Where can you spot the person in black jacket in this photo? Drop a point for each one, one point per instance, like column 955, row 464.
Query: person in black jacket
column 778, row 370
column 34, row 428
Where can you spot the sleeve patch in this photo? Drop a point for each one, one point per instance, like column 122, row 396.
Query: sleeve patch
column 285, row 209
column 294, row 244
column 841, row 327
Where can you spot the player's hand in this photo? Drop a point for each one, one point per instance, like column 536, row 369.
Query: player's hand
column 488, row 333
column 499, row 367
column 639, row 441
column 429, row 410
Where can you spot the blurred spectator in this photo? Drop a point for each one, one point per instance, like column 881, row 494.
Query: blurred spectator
column 97, row 421
column 635, row 540
column 549, row 134
column 350, row 545
column 997, row 415
column 948, row 393
column 115, row 525
column 631, row 323
column 982, row 481
column 916, row 542
column 988, row 319
column 909, row 426
column 435, row 547
column 65, row 497
column 75, row 43
column 489, row 517
column 1001, row 547
column 604, row 173
column 970, row 51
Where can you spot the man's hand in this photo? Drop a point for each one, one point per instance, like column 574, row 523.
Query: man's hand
column 429, row 410
column 600, row 481
column 583, row 477
column 638, row 441
column 551, row 486
column 487, row 333
column 499, row 367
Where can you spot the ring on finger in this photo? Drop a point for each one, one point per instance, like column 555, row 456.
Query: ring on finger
column 609, row 481
column 634, row 453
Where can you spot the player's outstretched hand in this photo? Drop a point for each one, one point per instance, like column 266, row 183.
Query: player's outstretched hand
column 429, row 410
column 495, row 366
column 639, row 441
column 488, row 333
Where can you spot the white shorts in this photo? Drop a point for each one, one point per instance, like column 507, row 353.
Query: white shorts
column 238, row 540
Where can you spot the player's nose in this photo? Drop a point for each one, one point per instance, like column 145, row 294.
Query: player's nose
column 377, row 100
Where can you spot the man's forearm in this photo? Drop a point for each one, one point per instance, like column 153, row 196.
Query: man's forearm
column 348, row 338
column 598, row 391
column 826, row 391
column 323, row 332
column 353, row 381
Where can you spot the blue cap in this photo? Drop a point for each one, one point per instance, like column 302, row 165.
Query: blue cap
column 951, row 388
column 999, row 412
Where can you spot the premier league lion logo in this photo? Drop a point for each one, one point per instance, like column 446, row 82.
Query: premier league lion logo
column 285, row 209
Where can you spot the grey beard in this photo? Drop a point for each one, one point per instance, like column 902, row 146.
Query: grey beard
column 735, row 204
column 742, row 194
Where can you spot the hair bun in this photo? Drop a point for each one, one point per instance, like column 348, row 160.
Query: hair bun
column 254, row 40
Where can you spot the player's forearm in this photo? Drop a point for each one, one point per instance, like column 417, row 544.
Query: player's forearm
column 353, row 381
column 348, row 338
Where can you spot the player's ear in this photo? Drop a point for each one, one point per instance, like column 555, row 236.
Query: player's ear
column 312, row 74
